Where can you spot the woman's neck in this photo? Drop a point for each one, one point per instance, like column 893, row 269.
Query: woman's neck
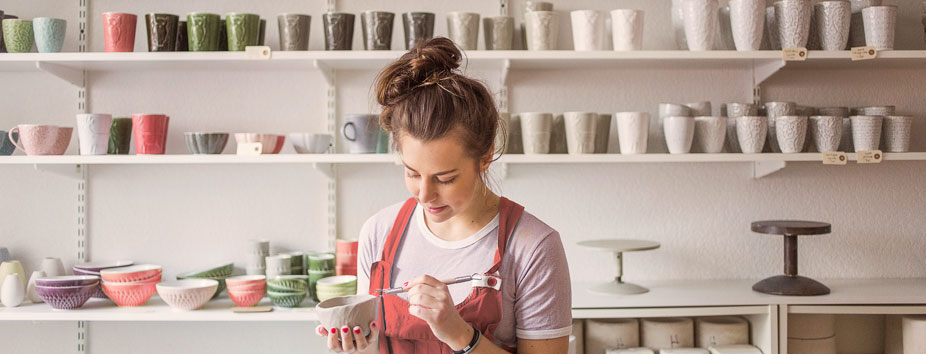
column 470, row 221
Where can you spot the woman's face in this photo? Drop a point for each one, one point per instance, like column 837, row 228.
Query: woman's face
column 441, row 176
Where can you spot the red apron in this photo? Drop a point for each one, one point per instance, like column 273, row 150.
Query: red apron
column 402, row 332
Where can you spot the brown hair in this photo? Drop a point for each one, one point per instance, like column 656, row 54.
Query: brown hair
column 424, row 95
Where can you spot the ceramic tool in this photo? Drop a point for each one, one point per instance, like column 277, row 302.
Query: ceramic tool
column 450, row 281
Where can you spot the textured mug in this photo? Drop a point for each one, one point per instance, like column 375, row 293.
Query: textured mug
column 41, row 139
column 627, row 29
column 362, row 131
column 119, row 31
column 710, row 133
column 18, row 35
column 542, row 30
column 93, row 133
column 790, row 132
column 700, row 18
column 866, row 132
column 832, row 19
column 162, row 32
column 536, row 132
column 120, row 136
column 242, row 30
column 339, row 30
column 203, row 31
column 294, row 31
column 419, row 27
column 880, row 22
column 793, row 20
column 150, row 133
column 857, row 23
column 751, row 133
column 499, row 32
column 747, row 20
column 826, row 132
column 588, row 30
column 463, row 29
column 377, row 29
column 774, row 110
column 49, row 34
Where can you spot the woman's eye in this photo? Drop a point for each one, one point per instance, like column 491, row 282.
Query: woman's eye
column 449, row 181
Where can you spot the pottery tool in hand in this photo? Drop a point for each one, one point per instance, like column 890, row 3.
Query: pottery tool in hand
column 450, row 281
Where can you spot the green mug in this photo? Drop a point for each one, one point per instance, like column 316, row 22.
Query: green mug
column 203, row 31
column 120, row 136
column 18, row 35
column 242, row 30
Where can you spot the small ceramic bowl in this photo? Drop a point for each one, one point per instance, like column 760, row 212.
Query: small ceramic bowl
column 309, row 143
column 288, row 283
column 132, row 274
column 67, row 297
column 188, row 294
column 206, row 143
column 244, row 281
column 129, row 294
column 67, row 280
column 272, row 143
column 356, row 310
column 96, row 267
column 220, row 271
column 286, row 299
column 246, row 290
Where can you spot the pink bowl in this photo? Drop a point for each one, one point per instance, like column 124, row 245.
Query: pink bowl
column 246, row 298
column 245, row 281
column 129, row 294
column 137, row 273
column 272, row 143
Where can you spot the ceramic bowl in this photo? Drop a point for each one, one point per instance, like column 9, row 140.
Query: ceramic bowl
column 67, row 280
column 206, row 143
column 66, row 297
column 356, row 310
column 188, row 294
column 341, row 281
column 288, row 283
column 224, row 271
column 286, row 299
column 132, row 274
column 246, row 297
column 129, row 294
column 272, row 143
column 309, row 143
column 246, row 281
column 96, row 267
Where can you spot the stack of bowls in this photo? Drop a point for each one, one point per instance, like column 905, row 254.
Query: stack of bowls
column 246, row 290
column 131, row 286
column 94, row 268
column 217, row 273
column 287, row 290
column 332, row 287
column 321, row 265
column 67, row 292
column 188, row 294
column 346, row 260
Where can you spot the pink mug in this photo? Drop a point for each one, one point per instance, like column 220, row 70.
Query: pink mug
column 119, row 32
column 150, row 132
column 42, row 139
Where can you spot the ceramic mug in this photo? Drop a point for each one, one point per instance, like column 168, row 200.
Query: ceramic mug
column 581, row 131
column 791, row 131
column 242, row 30
column 120, row 136
column 6, row 145
column 49, row 34
column 162, row 32
column 18, row 35
column 93, row 133
column 588, row 30
column 339, row 30
column 419, row 27
column 542, row 30
column 536, row 132
column 41, row 139
column 294, row 31
column 362, row 132
column 632, row 131
column 203, row 31
column 627, row 29
column 463, row 29
column 150, row 133
column 751, row 132
column 747, row 20
column 377, row 29
column 119, row 32
column 499, row 32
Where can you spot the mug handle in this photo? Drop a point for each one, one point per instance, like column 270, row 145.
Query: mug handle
column 10, row 135
column 344, row 131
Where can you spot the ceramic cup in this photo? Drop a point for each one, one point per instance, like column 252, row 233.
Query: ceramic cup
column 627, row 29
column 679, row 134
column 308, row 143
column 203, row 31
column 581, row 130
column 857, row 22
column 294, row 31
column 877, row 110
column 747, row 20
column 668, row 332
column 529, row 6
column 632, row 131
column 751, row 133
column 362, row 132
column 833, row 111
column 536, row 131
column 826, row 132
column 418, row 26
column 880, row 22
column 463, row 29
column 657, row 135
column 588, row 30
column 183, row 41
column 721, row 330
column 7, row 147
column 735, row 110
column 866, row 132
column 162, row 32
column 602, row 133
column 205, row 142
column 678, row 24
column 49, row 34
column 18, row 35
column 542, row 30
column 377, row 29
column 499, row 32
column 558, row 143
column 93, row 133
column 710, row 133
column 831, row 21
column 791, row 132
column 845, row 143
column 793, row 20
column 120, row 136
column 515, row 138
column 771, row 29
column 242, row 30
column 774, row 110
column 702, row 108
column 603, row 336
column 280, row 264
column 150, row 133
column 700, row 18
column 896, row 133
column 41, row 139
column 119, row 31
column 731, row 143
column 339, row 30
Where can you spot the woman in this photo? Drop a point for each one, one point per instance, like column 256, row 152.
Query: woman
column 444, row 126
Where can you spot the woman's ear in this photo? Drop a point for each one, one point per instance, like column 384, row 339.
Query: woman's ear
column 486, row 160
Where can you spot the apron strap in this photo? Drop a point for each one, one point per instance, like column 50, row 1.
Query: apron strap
column 509, row 213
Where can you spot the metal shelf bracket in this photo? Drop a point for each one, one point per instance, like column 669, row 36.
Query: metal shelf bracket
column 764, row 69
column 765, row 168
column 326, row 71
column 72, row 172
column 326, row 168
column 72, row 76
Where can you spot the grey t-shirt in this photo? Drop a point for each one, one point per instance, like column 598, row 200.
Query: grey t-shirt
column 536, row 292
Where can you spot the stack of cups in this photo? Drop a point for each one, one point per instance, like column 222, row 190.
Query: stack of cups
column 321, row 265
column 280, row 264
column 258, row 250
column 346, row 257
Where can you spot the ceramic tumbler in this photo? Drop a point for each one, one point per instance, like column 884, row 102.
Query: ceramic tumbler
column 775, row 110
column 242, row 30
column 877, row 110
column 602, row 133
column 721, row 330
column 700, row 17
column 515, row 138
column 678, row 24
column 150, row 133
column 826, row 132
column 724, row 36
column 13, row 291
column 831, row 21
column 294, row 31
column 679, row 134
column 120, row 136
column 418, row 26
column 747, row 20
column 41, row 139
column 866, row 132
column 731, row 143
column 280, row 264
column 581, row 130
column 627, row 29
column 7, row 148
column 162, row 32
column 668, row 332
column 857, row 22
column 879, row 22
column 735, row 110
column 914, row 333
column 339, row 30
column 119, row 32
column 18, row 35
column 846, row 143
column 751, row 132
column 558, row 143
column 362, row 132
column 710, row 133
column 203, row 31
column 791, row 132
column 463, row 29
column 793, row 20
column 13, row 267
column 771, row 29
column 499, row 32
column 588, row 30
column 608, row 335
column 632, row 131
column 49, row 34
column 377, row 29
column 536, row 132
column 321, row 261
column 93, row 133
column 896, row 133
column 529, row 6
column 183, row 41
column 542, row 30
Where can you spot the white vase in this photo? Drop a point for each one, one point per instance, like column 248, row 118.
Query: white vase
column 52, row 267
column 31, row 295
column 12, row 292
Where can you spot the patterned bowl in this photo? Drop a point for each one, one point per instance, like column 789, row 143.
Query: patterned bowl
column 132, row 274
column 246, row 298
column 220, row 271
column 66, row 297
column 206, row 143
column 288, row 283
column 272, row 143
column 130, row 294
column 286, row 299
column 67, row 280
column 96, row 267
column 188, row 294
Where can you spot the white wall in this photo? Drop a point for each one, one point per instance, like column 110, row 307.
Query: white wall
column 184, row 217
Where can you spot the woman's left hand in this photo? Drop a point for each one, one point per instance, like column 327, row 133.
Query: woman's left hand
column 430, row 301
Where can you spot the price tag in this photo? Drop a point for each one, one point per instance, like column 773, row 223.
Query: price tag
column 794, row 54
column 252, row 309
column 863, row 53
column 250, row 148
column 873, row 156
column 835, row 158
column 257, row 52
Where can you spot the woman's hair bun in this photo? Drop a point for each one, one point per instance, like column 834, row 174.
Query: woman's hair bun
column 429, row 62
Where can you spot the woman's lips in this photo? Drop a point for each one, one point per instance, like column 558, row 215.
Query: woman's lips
column 436, row 210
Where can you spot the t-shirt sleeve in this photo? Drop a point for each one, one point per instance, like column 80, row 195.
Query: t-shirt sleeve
column 543, row 304
column 366, row 251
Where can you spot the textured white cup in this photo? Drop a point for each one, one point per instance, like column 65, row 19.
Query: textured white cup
column 581, row 129
column 857, row 23
column 463, row 29
column 627, row 29
column 700, row 18
column 588, row 30
column 826, row 132
column 536, row 129
column 93, row 133
column 866, row 132
column 791, row 132
column 679, row 132
column 721, row 330
column 601, row 335
column 498, row 32
column 793, row 20
column 747, row 21
column 896, row 131
column 774, row 110
column 632, row 130
column 831, row 21
column 542, row 30
column 660, row 333
column 657, row 134
column 710, row 133
column 741, row 109
column 751, row 133
column 879, row 22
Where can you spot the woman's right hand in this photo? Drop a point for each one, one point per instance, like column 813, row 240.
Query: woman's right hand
column 345, row 340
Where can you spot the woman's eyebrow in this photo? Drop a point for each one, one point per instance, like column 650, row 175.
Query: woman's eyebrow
column 436, row 174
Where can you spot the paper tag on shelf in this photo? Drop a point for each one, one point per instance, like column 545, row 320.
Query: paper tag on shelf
column 794, row 54
column 257, row 52
column 873, row 156
column 250, row 148
column 835, row 158
column 252, row 309
column 863, row 53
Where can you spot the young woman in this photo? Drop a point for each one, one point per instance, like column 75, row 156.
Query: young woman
column 444, row 126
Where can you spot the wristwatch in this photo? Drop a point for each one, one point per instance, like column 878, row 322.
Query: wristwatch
column 472, row 343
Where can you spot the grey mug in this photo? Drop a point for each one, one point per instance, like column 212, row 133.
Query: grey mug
column 362, row 132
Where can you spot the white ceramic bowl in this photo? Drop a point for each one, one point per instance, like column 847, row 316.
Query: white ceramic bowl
column 187, row 294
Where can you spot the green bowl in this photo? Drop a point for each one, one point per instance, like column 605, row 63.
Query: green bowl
column 288, row 283
column 340, row 281
column 286, row 300
column 221, row 271
column 321, row 261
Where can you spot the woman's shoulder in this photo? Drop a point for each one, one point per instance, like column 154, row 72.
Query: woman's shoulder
column 532, row 233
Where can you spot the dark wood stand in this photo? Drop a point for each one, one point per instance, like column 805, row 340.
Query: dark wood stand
column 790, row 283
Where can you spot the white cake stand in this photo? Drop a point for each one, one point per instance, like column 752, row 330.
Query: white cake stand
column 618, row 247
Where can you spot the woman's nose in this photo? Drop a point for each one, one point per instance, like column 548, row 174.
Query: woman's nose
column 426, row 191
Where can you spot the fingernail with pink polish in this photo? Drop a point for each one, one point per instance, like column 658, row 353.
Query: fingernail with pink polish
column 334, row 331
column 373, row 325
column 344, row 329
column 357, row 330
column 406, row 284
